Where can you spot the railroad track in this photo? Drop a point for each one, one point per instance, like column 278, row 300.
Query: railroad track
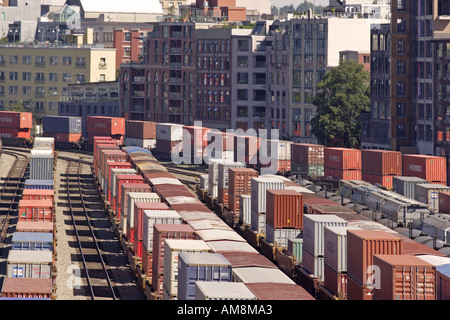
column 10, row 191
column 96, row 273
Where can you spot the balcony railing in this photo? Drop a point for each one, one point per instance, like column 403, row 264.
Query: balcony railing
column 139, row 79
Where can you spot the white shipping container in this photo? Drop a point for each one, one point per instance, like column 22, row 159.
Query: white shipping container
column 157, row 181
column 283, row 149
column 204, row 224
column 204, row 182
column 172, row 247
column 279, row 236
column 314, row 265
column 134, row 197
column 429, row 194
column 258, row 222
column 223, row 169
column 115, row 172
column 231, row 246
column 313, row 230
column 29, row 264
column 219, row 235
column 157, row 216
column 260, row 275
column 143, row 143
column 259, row 186
column 169, row 131
column 213, row 190
column 245, row 206
column 207, row 290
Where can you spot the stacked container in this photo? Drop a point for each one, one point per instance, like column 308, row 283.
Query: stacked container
column 29, row 264
column 223, row 178
column 207, row 290
column 195, row 140
column 307, row 159
column 223, row 149
column 429, row 193
column 153, row 264
column 442, row 265
column 362, row 245
column 168, row 135
column 32, row 241
column 107, row 178
column 112, row 184
column 342, row 163
column 124, row 179
column 172, row 248
column 431, row 168
column 36, row 210
column 245, row 209
column 15, row 124
column 62, row 128
column 284, row 216
column 239, row 183
column 379, row 167
column 31, row 288
column 281, row 154
column 444, row 202
column 259, row 186
column 246, row 149
column 200, row 266
column 406, row 186
column 313, row 241
column 140, row 134
column 41, row 164
column 126, row 189
column 105, row 126
column 38, row 194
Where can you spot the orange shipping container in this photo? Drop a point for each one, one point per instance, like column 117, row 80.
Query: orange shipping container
column 381, row 162
column 240, row 181
column 38, row 194
column 64, row 137
column 16, row 120
column 105, row 126
column 36, row 210
column 357, row 291
column 379, row 180
column 284, row 209
column 342, row 158
column 15, row 133
column 342, row 174
column 223, row 196
column 362, row 245
column 430, row 168
column 404, row 277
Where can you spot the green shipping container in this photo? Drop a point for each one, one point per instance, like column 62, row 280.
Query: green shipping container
column 310, row 170
column 295, row 248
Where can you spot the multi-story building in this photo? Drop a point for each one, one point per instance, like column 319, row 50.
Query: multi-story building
column 39, row 75
column 90, row 99
column 18, row 19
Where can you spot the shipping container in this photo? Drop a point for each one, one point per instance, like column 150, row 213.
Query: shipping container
column 222, row 196
column 15, row 133
column 295, row 249
column 195, row 135
column 107, row 178
column 61, row 124
column 279, row 236
column 139, row 208
column 245, row 209
column 335, row 282
column 122, row 179
column 206, row 290
column 16, row 120
column 386, row 181
column 206, row 224
column 38, row 194
column 126, row 189
column 275, row 149
column 29, row 264
column 156, row 216
column 362, row 245
column 259, row 186
column 335, row 247
column 308, row 154
column 239, row 181
column 358, row 291
column 313, row 231
column 260, row 275
column 208, row 235
column 172, row 248
column 444, row 202
column 27, row 288
column 223, row 172
column 381, row 162
column 200, row 266
column 343, row 159
column 138, row 197
column 443, row 282
column 64, row 137
column 438, row 226
column 36, row 210
column 231, row 246
column 429, row 194
column 342, row 174
column 143, row 143
column 35, row 226
column 430, row 168
column 204, row 182
column 241, row 259
column 175, row 147
column 41, row 164
column 32, row 241
column 313, row 170
column 258, row 222
column 140, row 129
column 224, row 142
column 279, row 291
column 284, row 209
column 246, row 149
column 404, row 277
column 112, row 184
column 169, row 132
column 108, row 126
column 44, row 143
column 38, row 184
column 314, row 265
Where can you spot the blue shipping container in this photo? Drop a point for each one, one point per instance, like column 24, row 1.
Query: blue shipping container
column 200, row 266
column 61, row 124
column 130, row 150
column 32, row 241
column 38, row 184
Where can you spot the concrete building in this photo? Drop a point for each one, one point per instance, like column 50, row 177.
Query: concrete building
column 38, row 75
column 18, row 19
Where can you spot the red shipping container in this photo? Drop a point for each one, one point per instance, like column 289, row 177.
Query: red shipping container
column 444, row 202
column 284, row 166
column 169, row 146
column 357, row 291
column 196, row 135
column 15, row 133
column 240, row 181
column 114, row 165
column 35, row 226
column 161, row 232
column 443, row 284
column 284, row 209
column 342, row 174
column 246, row 149
column 279, row 291
column 96, row 160
column 381, row 162
column 404, row 277
column 310, row 154
column 132, row 187
column 139, row 208
column 222, row 196
column 331, row 209
column 234, row 204
column 122, row 178
column 110, row 156
column 64, row 137
column 227, row 140
column 430, row 168
column 247, row 259
column 140, row 129
column 362, row 245
column 105, row 125
column 342, row 158
column 377, row 180
column 311, row 201
column 16, row 120
column 147, row 264
column 27, row 288
column 38, row 194
column 138, row 247
column 36, row 210
column 335, row 282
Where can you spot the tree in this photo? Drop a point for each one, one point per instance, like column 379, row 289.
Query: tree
column 343, row 93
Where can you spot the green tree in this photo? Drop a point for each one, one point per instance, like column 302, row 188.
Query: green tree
column 343, row 93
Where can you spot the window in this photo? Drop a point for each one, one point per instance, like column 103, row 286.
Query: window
column 13, row 75
column 242, row 94
column 13, row 90
column 401, row 110
column 242, row 112
column 40, row 77
column 53, row 76
column 40, row 61
column 242, row 61
column 67, row 77
column 80, row 62
column 53, row 91
column 54, row 60
column 13, row 59
column 26, row 90
column 400, row 88
column 26, row 60
column 67, row 61
column 26, row 76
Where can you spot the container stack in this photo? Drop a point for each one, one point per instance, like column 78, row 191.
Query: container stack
column 444, row 202
column 127, row 188
column 63, row 129
column 284, row 216
column 105, row 126
column 140, row 134
column 430, row 168
column 342, row 163
column 169, row 136
column 281, row 152
column 406, row 186
column 429, row 193
column 314, row 243
column 380, row 166
column 112, row 185
column 195, row 141
column 223, row 147
column 223, row 178
column 135, row 180
column 246, row 149
column 362, row 245
column 307, row 159
column 239, row 183
column 42, row 159
column 259, row 187
column 16, row 124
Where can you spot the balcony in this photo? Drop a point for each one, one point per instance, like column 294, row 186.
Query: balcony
column 175, row 50
column 175, row 65
column 175, row 95
column 139, row 79
column 138, row 94
column 40, row 64
column 174, row 80
column 102, row 65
